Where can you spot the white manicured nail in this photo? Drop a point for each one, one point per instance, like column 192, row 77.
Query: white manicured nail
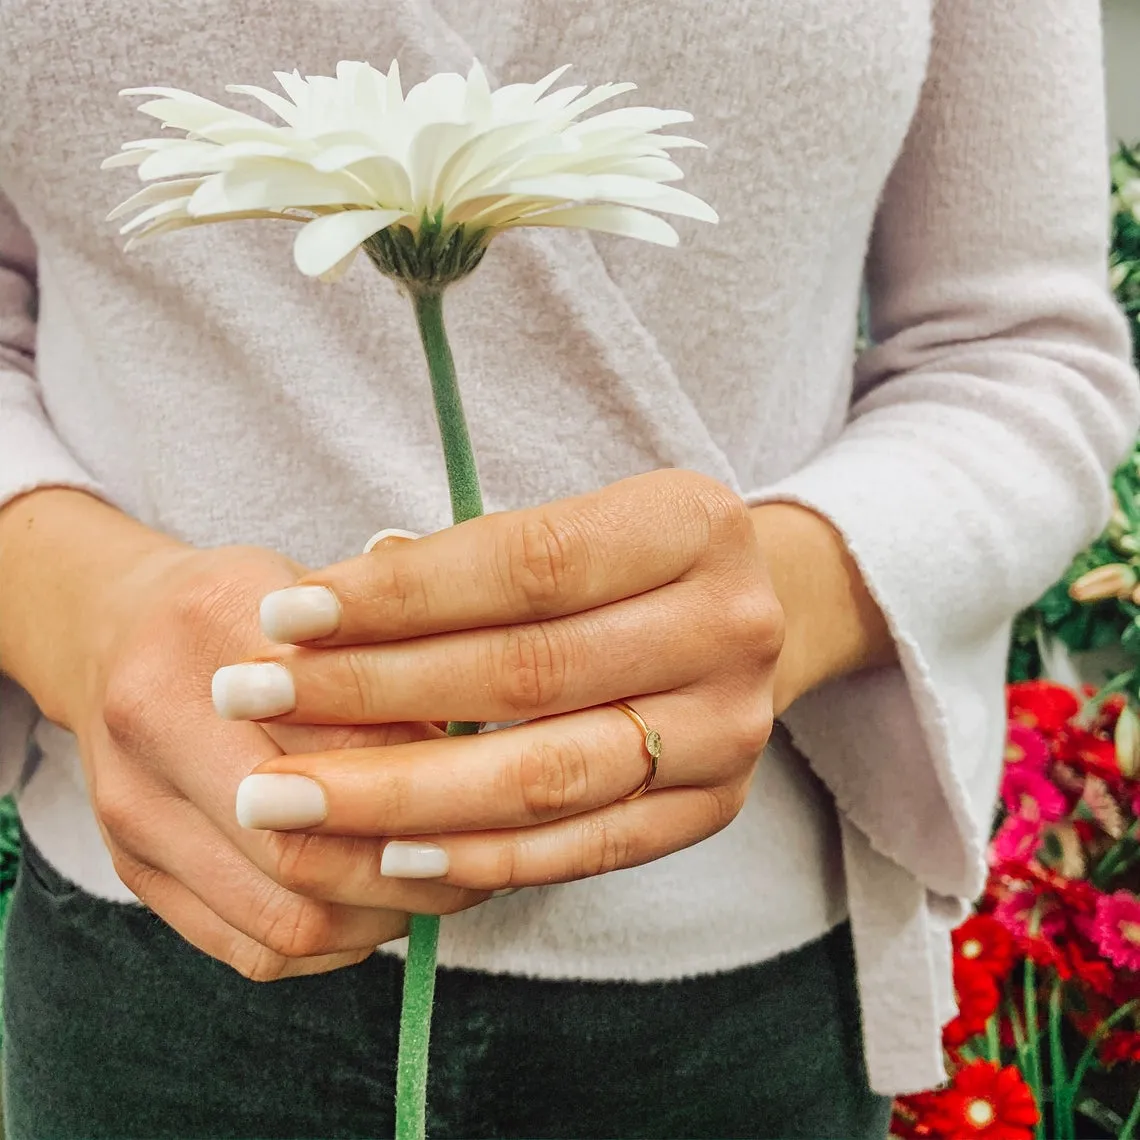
column 299, row 613
column 251, row 692
column 413, row 861
column 280, row 801
column 381, row 535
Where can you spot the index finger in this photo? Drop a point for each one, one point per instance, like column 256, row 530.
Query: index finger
column 550, row 561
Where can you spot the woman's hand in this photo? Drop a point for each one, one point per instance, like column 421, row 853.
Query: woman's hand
column 652, row 590
column 123, row 630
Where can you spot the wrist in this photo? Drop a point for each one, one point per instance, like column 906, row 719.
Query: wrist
column 833, row 626
column 67, row 560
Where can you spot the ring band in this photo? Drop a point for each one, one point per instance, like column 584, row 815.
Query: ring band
column 652, row 747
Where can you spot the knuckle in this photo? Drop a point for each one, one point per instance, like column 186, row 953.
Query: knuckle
column 604, row 848
column 137, row 877
column 117, row 808
column 727, row 513
column 403, row 591
column 258, row 963
column 751, row 728
column 553, row 779
column 532, row 668
column 208, row 608
column 724, row 513
column 130, row 703
column 361, row 691
column 502, row 870
column 727, row 803
column 294, row 928
column 539, row 563
column 755, row 621
column 295, row 863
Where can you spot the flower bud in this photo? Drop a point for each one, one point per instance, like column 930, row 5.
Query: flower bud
column 1115, row 580
column 1117, row 275
column 1127, row 740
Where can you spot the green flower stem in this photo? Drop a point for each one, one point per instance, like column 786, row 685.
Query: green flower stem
column 415, row 1028
column 423, row 938
column 462, row 476
column 1035, row 1076
column 1063, row 1125
column 993, row 1040
column 1129, row 1128
column 1086, row 1058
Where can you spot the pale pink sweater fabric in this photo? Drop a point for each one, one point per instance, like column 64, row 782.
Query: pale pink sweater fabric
column 955, row 147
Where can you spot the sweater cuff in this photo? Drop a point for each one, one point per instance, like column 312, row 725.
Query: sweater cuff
column 911, row 752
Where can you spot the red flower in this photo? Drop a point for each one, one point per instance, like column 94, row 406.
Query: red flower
column 978, row 998
column 1041, row 705
column 983, row 942
column 1092, row 973
column 1016, row 841
column 1032, row 794
column 1089, row 752
column 1121, row 1046
column 1109, row 712
column 1025, row 746
column 983, row 1102
column 1118, row 929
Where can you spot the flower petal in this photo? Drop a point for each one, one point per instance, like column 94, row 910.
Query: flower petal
column 477, row 106
column 186, row 158
column 619, row 188
column 598, row 95
column 643, row 118
column 155, row 192
column 622, row 220
column 274, row 184
column 279, row 106
column 326, row 241
column 160, row 211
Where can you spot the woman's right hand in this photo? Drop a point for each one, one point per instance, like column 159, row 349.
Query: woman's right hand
column 163, row 768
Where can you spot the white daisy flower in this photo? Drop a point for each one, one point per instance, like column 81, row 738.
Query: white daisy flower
column 422, row 180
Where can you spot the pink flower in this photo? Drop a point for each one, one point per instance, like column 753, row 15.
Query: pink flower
column 1032, row 795
column 1016, row 909
column 1118, row 929
column 1026, row 747
column 1016, row 841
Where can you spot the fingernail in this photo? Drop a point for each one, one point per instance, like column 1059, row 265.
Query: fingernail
column 414, row 861
column 250, row 692
column 299, row 613
column 280, row 801
column 383, row 536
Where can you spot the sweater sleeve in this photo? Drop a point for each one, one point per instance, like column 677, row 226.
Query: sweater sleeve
column 984, row 424
column 31, row 454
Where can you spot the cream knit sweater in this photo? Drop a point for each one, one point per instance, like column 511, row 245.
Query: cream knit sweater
column 955, row 147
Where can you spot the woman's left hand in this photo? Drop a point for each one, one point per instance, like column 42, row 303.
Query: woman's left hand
column 653, row 590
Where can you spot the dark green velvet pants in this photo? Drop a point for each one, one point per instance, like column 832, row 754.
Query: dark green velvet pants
column 115, row 1027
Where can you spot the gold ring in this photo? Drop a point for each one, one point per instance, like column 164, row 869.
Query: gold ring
column 652, row 747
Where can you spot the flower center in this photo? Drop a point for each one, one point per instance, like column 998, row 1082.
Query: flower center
column 430, row 258
column 980, row 1113
column 1014, row 753
column 1131, row 931
column 971, row 949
